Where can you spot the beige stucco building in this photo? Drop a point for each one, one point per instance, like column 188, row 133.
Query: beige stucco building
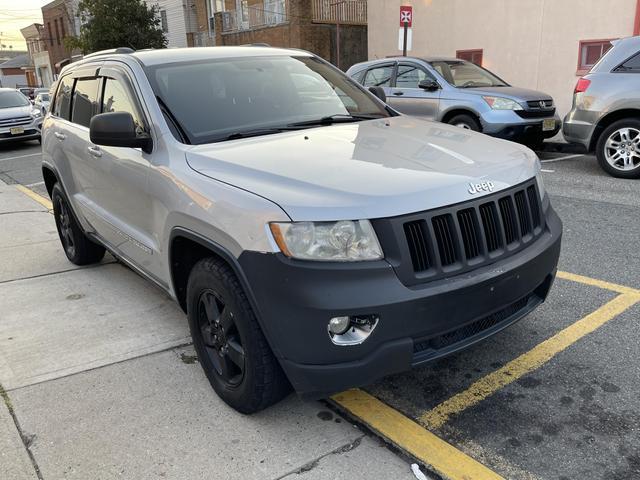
column 540, row 44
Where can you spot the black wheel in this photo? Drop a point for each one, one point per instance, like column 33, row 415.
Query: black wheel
column 78, row 248
column 465, row 121
column 618, row 149
column 230, row 345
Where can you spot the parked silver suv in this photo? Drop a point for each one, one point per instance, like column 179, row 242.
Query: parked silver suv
column 606, row 110
column 463, row 94
column 313, row 237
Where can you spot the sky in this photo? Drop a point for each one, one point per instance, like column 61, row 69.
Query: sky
column 17, row 14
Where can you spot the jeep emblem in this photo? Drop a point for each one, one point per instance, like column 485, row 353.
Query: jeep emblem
column 480, row 187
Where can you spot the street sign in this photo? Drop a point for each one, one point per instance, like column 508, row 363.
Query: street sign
column 401, row 39
column 406, row 15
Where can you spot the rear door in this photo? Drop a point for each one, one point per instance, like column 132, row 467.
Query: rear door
column 408, row 98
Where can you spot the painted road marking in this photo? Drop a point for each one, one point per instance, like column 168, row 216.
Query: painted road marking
column 527, row 362
column 546, row 171
column 20, row 156
column 559, row 159
column 412, row 438
column 45, row 202
column 594, row 282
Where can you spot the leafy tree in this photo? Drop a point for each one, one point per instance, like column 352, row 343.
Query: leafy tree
column 117, row 23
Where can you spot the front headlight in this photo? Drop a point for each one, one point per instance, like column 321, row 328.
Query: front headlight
column 343, row 241
column 500, row 103
column 36, row 113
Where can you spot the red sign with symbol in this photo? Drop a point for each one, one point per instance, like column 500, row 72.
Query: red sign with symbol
column 406, row 15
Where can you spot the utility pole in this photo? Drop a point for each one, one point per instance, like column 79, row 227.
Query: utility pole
column 338, row 11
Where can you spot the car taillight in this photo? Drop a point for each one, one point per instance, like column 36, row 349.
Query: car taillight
column 582, row 85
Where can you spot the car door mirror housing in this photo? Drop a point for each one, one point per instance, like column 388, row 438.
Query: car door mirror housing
column 117, row 129
column 429, row 85
column 379, row 92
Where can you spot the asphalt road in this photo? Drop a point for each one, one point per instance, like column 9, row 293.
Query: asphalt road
column 576, row 416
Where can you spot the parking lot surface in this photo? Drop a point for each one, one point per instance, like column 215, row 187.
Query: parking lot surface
column 99, row 380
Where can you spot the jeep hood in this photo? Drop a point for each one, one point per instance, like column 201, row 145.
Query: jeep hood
column 372, row 169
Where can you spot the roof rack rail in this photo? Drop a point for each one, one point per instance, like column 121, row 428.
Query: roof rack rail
column 110, row 51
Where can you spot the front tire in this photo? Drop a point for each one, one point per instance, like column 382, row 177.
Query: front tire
column 618, row 149
column 77, row 246
column 465, row 121
column 229, row 342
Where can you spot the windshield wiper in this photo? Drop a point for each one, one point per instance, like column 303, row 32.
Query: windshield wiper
column 337, row 118
column 252, row 133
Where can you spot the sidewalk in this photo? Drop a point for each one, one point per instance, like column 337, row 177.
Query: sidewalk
column 99, row 381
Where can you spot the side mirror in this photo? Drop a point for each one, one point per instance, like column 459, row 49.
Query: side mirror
column 379, row 92
column 117, row 129
column 429, row 85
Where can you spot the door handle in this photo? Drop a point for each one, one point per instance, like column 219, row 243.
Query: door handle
column 60, row 136
column 95, row 151
column 398, row 93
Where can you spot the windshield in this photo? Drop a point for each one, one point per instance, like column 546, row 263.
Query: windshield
column 215, row 99
column 44, row 97
column 463, row 74
column 13, row 99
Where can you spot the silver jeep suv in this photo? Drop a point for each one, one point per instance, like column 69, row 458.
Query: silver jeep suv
column 314, row 237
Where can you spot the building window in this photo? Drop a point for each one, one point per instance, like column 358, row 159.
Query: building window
column 473, row 56
column 50, row 33
column 64, row 33
column 55, row 22
column 590, row 52
column 163, row 21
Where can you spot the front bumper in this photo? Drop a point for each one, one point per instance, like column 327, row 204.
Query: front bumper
column 418, row 323
column 30, row 131
column 510, row 126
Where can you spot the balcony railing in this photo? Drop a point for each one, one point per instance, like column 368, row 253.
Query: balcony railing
column 255, row 15
column 351, row 12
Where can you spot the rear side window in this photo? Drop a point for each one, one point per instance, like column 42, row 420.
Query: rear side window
column 116, row 98
column 85, row 98
column 631, row 65
column 63, row 98
column 378, row 77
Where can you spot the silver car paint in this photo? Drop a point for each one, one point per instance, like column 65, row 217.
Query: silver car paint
column 608, row 92
column 437, row 104
column 15, row 112
column 229, row 192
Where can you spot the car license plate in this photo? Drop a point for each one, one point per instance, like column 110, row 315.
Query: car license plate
column 548, row 124
column 16, row 130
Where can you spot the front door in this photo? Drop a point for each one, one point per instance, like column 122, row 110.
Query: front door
column 406, row 97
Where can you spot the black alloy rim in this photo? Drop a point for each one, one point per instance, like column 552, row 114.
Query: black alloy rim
column 65, row 227
column 221, row 338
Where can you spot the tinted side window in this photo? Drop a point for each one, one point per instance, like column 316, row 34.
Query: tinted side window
column 631, row 65
column 409, row 76
column 85, row 101
column 378, row 77
column 63, row 98
column 116, row 98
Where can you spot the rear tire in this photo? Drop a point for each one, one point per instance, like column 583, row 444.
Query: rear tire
column 465, row 121
column 229, row 342
column 618, row 149
column 78, row 248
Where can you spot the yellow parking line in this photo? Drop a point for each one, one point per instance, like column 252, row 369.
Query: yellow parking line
column 597, row 283
column 527, row 362
column 45, row 202
column 445, row 459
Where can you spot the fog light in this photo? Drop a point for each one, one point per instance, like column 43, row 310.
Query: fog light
column 351, row 330
column 339, row 325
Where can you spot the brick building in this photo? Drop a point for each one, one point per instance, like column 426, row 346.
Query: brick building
column 13, row 71
column 39, row 72
column 60, row 21
column 307, row 24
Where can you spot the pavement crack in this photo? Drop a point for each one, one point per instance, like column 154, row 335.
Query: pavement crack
column 27, row 439
column 57, row 273
column 307, row 467
column 23, row 211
